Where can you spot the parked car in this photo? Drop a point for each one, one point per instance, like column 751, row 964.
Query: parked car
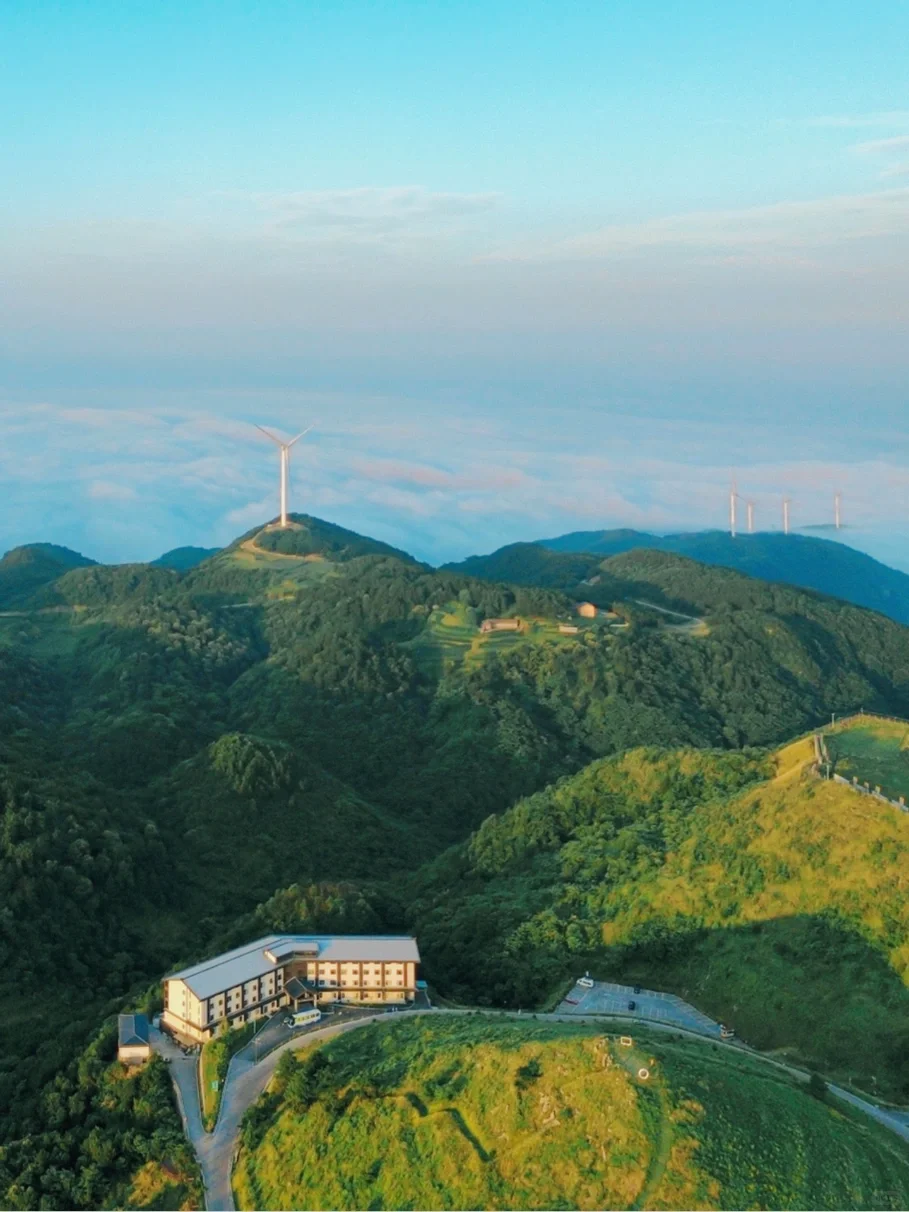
column 632, row 1005
column 585, row 982
column 726, row 1032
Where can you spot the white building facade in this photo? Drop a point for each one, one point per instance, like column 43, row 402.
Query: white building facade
column 256, row 980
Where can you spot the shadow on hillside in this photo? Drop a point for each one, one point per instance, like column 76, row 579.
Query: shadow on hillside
column 808, row 983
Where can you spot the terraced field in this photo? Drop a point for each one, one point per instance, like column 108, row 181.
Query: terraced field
column 452, row 635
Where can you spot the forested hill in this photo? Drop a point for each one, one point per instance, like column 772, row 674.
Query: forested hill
column 26, row 569
column 797, row 559
column 314, row 712
column 184, row 558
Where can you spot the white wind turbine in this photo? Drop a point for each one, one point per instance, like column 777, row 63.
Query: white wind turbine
column 284, row 456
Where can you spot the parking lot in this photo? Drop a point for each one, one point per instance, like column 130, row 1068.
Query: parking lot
column 607, row 998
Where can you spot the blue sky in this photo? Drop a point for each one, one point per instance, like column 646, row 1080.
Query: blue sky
column 530, row 267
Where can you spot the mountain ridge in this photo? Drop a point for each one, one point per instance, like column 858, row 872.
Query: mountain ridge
column 828, row 566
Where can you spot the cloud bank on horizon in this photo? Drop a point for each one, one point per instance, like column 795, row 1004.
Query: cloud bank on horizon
column 531, row 269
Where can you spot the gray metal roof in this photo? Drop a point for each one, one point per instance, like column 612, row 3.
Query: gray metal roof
column 245, row 963
column 132, row 1029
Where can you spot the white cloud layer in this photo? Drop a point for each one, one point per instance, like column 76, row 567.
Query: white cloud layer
column 120, row 485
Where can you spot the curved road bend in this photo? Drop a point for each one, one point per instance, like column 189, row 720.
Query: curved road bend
column 246, row 1081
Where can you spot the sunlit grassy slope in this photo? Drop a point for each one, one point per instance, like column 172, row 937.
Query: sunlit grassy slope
column 873, row 751
column 781, row 907
column 486, row 1113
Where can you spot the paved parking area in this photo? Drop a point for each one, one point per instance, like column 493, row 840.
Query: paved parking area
column 607, row 998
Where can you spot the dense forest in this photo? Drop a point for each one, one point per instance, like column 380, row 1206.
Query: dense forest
column 258, row 741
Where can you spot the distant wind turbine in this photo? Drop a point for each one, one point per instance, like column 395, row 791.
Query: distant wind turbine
column 751, row 517
column 786, row 505
column 838, row 510
column 733, row 501
column 284, row 456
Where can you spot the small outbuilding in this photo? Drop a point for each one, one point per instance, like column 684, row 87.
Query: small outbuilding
column 568, row 628
column 132, row 1039
column 586, row 610
column 500, row 625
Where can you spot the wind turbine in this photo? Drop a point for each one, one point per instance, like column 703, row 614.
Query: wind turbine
column 786, row 504
column 284, row 456
column 750, row 506
column 837, row 510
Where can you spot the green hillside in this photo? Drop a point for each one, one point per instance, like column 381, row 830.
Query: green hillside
column 828, row 566
column 485, row 1113
column 773, row 903
column 279, row 740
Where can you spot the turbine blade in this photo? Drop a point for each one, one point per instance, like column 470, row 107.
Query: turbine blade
column 277, row 441
column 300, row 435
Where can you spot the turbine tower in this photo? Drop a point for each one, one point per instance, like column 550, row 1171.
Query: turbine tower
column 733, row 498
column 751, row 517
column 284, row 456
column 838, row 510
column 786, row 504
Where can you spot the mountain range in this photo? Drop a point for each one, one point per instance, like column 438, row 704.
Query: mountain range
column 309, row 730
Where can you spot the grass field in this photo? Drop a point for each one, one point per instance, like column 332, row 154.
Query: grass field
column 485, row 1112
column 873, row 751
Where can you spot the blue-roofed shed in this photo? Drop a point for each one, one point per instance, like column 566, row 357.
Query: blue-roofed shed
column 132, row 1039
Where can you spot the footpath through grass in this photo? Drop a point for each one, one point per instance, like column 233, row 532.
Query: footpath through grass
column 485, row 1112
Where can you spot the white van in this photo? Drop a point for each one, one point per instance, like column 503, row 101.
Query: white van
column 585, row 982
column 302, row 1018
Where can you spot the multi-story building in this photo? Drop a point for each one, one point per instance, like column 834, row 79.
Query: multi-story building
column 281, row 969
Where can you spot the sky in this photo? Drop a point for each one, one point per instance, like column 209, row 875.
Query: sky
column 527, row 268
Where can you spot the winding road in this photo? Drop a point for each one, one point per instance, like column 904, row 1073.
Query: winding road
column 246, row 1081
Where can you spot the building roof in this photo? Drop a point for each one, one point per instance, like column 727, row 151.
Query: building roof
column 298, row 988
column 132, row 1030
column 245, row 963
